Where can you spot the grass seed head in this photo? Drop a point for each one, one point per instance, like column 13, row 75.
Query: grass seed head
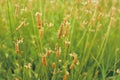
column 84, row 23
column 99, row 16
column 72, row 66
column 39, row 21
column 66, row 75
column 60, row 31
column 50, row 25
column 67, row 43
column 17, row 47
column 20, row 40
column 16, row 9
column 53, row 65
column 66, row 29
column 20, row 26
column 41, row 31
column 66, row 19
column 48, row 51
column 59, row 60
column 118, row 71
column 75, row 58
column 92, row 21
column 113, row 11
column 28, row 66
column 58, row 52
column 44, row 61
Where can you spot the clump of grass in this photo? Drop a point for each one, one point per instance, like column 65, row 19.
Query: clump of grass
column 63, row 40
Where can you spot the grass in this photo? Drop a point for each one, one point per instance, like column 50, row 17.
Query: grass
column 59, row 39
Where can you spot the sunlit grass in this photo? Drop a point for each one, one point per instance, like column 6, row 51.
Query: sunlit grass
column 59, row 39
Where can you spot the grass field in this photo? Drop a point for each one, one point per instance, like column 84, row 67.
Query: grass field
column 59, row 39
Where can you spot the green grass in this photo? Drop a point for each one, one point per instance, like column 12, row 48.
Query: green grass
column 91, row 45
